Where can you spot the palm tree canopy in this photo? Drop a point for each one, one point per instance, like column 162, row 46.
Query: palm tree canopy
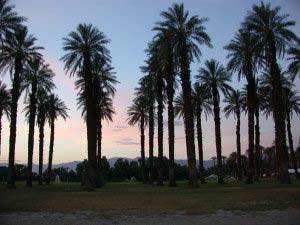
column 214, row 75
column 202, row 99
column 266, row 22
column 294, row 57
column 5, row 99
column 137, row 111
column 87, row 41
column 178, row 106
column 243, row 49
column 233, row 99
column 185, row 31
column 20, row 45
column 56, row 108
column 38, row 73
column 9, row 19
column 292, row 101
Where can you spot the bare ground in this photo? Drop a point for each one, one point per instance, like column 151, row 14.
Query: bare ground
column 272, row 217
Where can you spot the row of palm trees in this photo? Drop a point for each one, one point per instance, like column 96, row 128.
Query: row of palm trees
column 30, row 74
column 263, row 37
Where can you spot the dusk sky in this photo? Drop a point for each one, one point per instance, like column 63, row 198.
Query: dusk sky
column 128, row 24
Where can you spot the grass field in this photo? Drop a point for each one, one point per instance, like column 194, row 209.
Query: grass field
column 139, row 199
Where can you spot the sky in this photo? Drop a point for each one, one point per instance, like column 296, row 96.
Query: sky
column 128, row 24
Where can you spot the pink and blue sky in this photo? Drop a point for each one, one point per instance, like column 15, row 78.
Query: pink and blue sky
column 128, row 24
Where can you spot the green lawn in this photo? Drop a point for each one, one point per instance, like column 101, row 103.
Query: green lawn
column 139, row 199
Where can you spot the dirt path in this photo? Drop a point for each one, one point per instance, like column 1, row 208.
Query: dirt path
column 285, row 217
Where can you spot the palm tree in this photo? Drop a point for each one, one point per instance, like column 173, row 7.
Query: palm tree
column 234, row 104
column 202, row 104
column 42, row 99
column 244, row 52
column 146, row 89
column 55, row 108
column 214, row 158
column 294, row 53
column 292, row 105
column 9, row 19
column 37, row 77
column 137, row 114
column 17, row 49
column 274, row 34
column 83, row 46
column 4, row 105
column 215, row 77
column 186, row 32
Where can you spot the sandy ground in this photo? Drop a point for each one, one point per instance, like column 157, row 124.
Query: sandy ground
column 285, row 217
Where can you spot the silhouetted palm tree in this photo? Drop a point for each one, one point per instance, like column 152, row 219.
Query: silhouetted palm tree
column 83, row 46
column 55, row 108
column 202, row 104
column 214, row 158
column 146, row 89
column 9, row 19
column 138, row 114
column 37, row 77
column 274, row 34
column 243, row 56
column 294, row 53
column 215, row 77
column 234, row 104
column 5, row 99
column 187, row 32
column 292, row 105
column 16, row 50
column 42, row 98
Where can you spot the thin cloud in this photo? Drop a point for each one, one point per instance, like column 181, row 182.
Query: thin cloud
column 127, row 141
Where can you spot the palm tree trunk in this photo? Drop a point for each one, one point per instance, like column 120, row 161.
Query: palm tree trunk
column 13, row 123
column 291, row 145
column 200, row 144
column 151, row 140
column 1, row 113
column 251, row 109
column 91, row 122
column 160, row 179
column 257, row 145
column 32, row 113
column 143, row 150
column 189, row 116
column 218, row 135
column 170, row 93
column 51, row 145
column 41, row 147
column 99, row 139
column 279, row 115
column 238, row 146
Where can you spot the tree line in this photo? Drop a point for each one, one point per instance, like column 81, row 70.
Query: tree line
column 254, row 52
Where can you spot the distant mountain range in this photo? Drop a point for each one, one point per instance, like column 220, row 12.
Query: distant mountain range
column 72, row 165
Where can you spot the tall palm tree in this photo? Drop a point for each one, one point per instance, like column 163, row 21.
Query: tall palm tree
column 167, row 62
column 137, row 114
column 215, row 77
column 4, row 105
column 234, row 104
column 9, row 19
column 243, row 56
column 292, row 105
column 83, row 46
column 187, row 33
column 274, row 34
column 37, row 77
column 294, row 53
column 146, row 89
column 55, row 108
column 42, row 99
column 17, row 49
column 202, row 104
